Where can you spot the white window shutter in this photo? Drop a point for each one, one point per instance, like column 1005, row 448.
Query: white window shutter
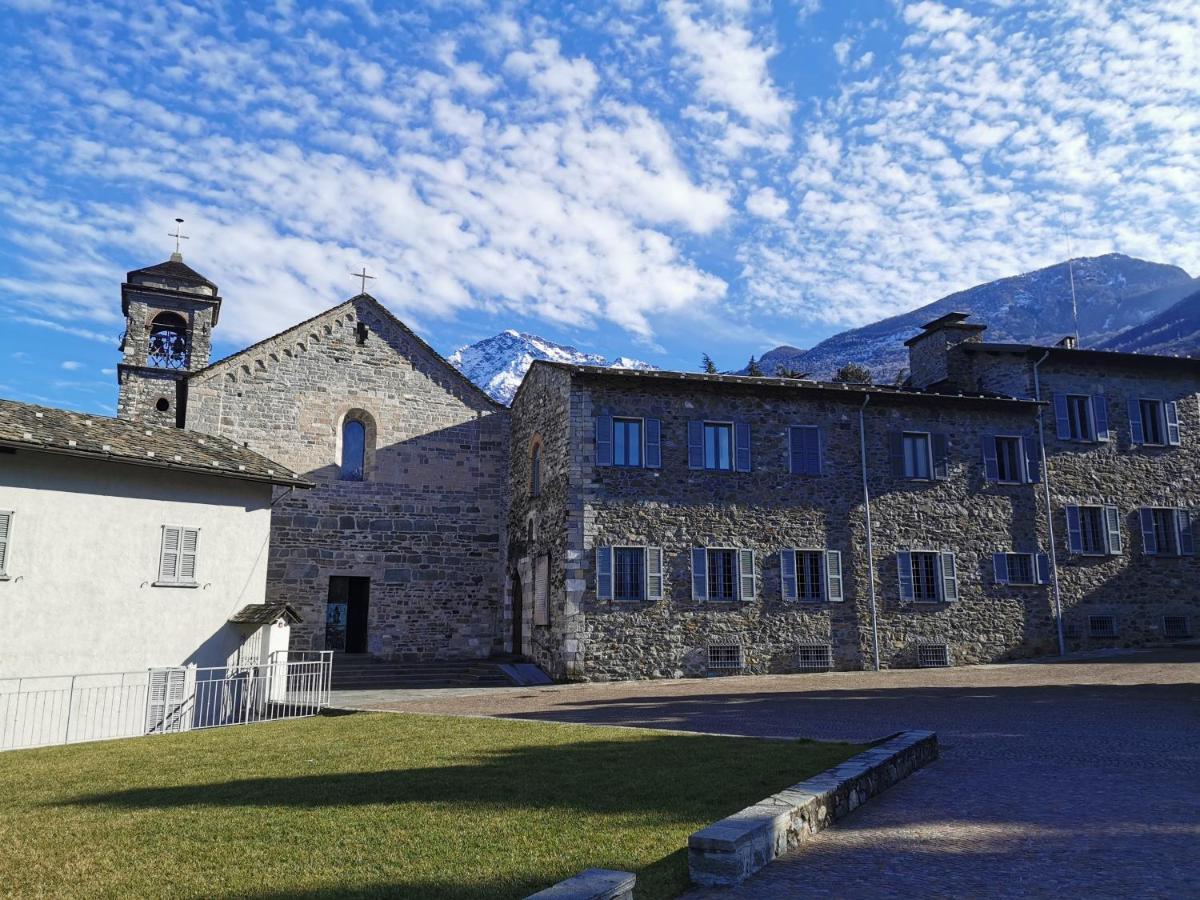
column 746, row 573
column 5, row 531
column 189, row 543
column 834, row 591
column 1112, row 521
column 604, row 573
column 654, row 573
column 164, row 700
column 699, row 573
column 168, row 560
column 949, row 578
column 787, row 569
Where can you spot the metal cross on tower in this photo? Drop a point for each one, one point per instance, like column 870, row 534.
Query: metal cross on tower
column 178, row 235
column 363, row 276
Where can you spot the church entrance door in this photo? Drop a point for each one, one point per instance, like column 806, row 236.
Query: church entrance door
column 346, row 613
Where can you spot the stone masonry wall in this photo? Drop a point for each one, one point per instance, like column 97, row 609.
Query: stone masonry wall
column 425, row 524
column 140, row 387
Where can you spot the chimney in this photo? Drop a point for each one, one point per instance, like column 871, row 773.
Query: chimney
column 1070, row 342
column 929, row 351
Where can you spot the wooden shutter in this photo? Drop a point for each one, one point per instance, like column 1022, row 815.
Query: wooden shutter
column 1112, row 522
column 1000, row 567
column 834, row 591
column 1149, row 538
column 5, row 530
column 168, row 560
column 806, row 450
column 695, row 445
column 1043, row 568
column 1171, row 411
column 164, row 700
column 949, row 577
column 654, row 573
column 653, row 444
column 904, row 569
column 604, row 441
column 1074, row 530
column 189, row 544
column 896, row 447
column 604, row 573
column 741, row 443
column 991, row 468
column 746, row 580
column 940, row 444
column 1137, row 433
column 1061, row 418
column 541, row 590
column 699, row 573
column 787, row 570
column 1183, row 518
column 1100, row 417
column 1033, row 460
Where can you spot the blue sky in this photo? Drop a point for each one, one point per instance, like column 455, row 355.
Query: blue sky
column 653, row 179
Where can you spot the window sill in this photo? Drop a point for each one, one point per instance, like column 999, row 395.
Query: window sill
column 175, row 584
column 4, row 577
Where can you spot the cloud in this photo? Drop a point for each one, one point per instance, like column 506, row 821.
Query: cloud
column 766, row 204
column 71, row 365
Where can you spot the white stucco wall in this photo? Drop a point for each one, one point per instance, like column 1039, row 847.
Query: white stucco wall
column 83, row 557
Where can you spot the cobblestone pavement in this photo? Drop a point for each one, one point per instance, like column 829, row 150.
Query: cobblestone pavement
column 1076, row 778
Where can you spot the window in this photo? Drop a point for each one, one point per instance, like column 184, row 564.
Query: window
column 917, row 463
column 718, row 446
column 535, row 471
column 927, row 576
column 1102, row 626
column 1081, row 417
column 722, row 575
column 814, row 657
column 627, row 442
column 1015, row 568
column 811, row 574
column 804, row 446
column 933, row 656
column 1176, row 627
column 1153, row 422
column 630, row 573
column 725, row 657
column 1010, row 467
column 1094, row 530
column 354, row 450
column 1166, row 531
column 177, row 556
column 6, row 518
column 1154, row 425
column 808, row 574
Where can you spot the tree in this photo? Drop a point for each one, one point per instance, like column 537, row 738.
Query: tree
column 901, row 377
column 782, row 371
column 853, row 373
column 706, row 363
column 753, row 369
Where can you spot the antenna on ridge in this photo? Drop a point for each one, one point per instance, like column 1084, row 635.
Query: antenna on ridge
column 1074, row 305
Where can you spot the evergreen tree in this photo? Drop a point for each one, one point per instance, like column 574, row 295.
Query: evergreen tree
column 706, row 364
column 853, row 373
column 753, row 369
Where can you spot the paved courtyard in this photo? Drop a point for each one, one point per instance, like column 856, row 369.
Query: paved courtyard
column 1076, row 778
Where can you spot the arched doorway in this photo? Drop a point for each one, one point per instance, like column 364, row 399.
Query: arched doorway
column 518, row 597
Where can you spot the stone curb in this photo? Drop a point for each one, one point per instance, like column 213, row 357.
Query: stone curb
column 729, row 851
column 591, row 884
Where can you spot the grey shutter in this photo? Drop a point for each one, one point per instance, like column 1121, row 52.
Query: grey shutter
column 1137, row 433
column 164, row 700
column 541, row 590
column 746, row 581
column 1061, row 418
column 654, row 573
column 604, row 441
column 1112, row 522
column 168, row 559
column 699, row 573
column 819, row 451
column 787, row 569
column 1074, row 530
column 1149, row 538
column 1000, row 566
column 1033, row 460
column 1183, row 517
column 5, row 531
column 695, row 445
column 896, row 447
column 941, row 456
column 991, row 468
column 741, row 442
column 904, row 568
column 1171, row 411
column 653, row 444
column 1100, row 417
column 604, row 573
column 189, row 544
column 1043, row 568
column 949, row 577
column 834, row 592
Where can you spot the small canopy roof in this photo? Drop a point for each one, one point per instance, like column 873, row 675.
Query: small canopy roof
column 266, row 614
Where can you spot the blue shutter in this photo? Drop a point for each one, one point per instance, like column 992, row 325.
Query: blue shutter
column 1061, row 419
column 1112, row 521
column 699, row 573
column 991, row 468
column 1149, row 538
column 896, row 448
column 1183, row 518
column 1100, row 416
column 604, row 441
column 1033, row 460
column 741, row 443
column 904, row 568
column 604, row 573
column 949, row 577
column 818, row 451
column 834, row 590
column 1043, row 568
column 795, row 450
column 1000, row 566
column 653, row 444
column 941, row 457
column 1171, row 409
column 787, row 574
column 695, row 445
column 1137, row 433
column 1074, row 530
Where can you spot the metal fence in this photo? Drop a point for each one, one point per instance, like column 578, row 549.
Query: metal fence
column 68, row 709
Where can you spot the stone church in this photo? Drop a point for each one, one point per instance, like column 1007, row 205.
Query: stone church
column 398, row 550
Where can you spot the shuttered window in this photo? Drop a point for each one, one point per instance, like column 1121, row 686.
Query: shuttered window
column 1021, row 568
column 627, row 442
column 6, row 518
column 805, row 450
column 1153, row 422
column 1080, row 417
column 1094, row 530
column 164, row 701
column 719, row 446
column 723, row 574
column 629, row 574
column 1166, row 531
column 927, row 577
column 177, row 557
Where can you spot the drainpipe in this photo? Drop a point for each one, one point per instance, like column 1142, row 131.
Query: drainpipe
column 862, row 438
column 1058, row 617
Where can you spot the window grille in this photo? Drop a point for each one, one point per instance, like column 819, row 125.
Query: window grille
column 925, row 577
column 933, row 656
column 1102, row 626
column 725, row 657
column 1021, row 569
column 1176, row 627
column 814, row 657
column 722, row 575
column 630, row 584
column 808, row 570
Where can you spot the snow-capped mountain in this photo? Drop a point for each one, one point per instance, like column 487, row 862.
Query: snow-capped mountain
column 497, row 364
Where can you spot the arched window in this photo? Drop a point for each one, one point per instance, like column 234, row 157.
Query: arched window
column 535, row 471
column 354, row 450
column 168, row 347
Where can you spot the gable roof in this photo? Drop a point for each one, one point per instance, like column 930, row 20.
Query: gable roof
column 173, row 268
column 24, row 426
column 385, row 313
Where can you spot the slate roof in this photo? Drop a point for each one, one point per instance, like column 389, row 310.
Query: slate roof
column 173, row 268
column 265, row 614
column 1175, row 364
column 27, row 427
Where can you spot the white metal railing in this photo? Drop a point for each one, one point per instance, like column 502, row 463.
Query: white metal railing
column 68, row 709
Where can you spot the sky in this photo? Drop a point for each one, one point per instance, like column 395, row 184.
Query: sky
column 650, row 179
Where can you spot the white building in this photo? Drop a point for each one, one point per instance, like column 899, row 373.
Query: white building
column 126, row 547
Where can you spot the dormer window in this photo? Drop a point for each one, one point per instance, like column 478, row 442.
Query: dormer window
column 168, row 345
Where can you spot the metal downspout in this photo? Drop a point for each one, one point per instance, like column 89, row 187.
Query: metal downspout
column 862, row 437
column 1058, row 618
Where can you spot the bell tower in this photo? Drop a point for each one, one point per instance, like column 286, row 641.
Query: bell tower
column 170, row 311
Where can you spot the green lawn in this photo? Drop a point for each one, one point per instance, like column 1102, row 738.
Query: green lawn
column 375, row 805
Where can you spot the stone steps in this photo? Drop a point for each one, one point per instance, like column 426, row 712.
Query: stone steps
column 351, row 673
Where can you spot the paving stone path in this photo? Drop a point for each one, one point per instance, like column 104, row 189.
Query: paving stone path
column 1068, row 779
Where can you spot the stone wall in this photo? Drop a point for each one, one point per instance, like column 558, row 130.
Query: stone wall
column 140, row 388
column 426, row 522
